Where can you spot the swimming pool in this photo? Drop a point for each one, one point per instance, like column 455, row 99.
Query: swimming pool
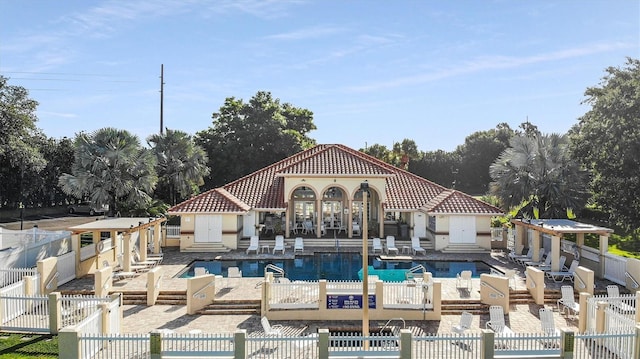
column 332, row 266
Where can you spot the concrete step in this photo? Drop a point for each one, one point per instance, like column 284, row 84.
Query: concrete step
column 232, row 307
column 207, row 247
column 464, row 248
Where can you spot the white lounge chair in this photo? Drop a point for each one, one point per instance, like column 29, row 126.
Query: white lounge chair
column 497, row 324
column 465, row 323
column 279, row 246
column 234, row 272
column 269, row 330
column 567, row 302
column 377, row 245
column 253, row 244
column 515, row 257
column 463, row 278
column 298, row 245
column 415, row 246
column 561, row 276
column 547, row 268
column 548, row 327
column 391, row 245
column 541, row 256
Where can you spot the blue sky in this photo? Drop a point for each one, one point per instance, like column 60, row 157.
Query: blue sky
column 370, row 71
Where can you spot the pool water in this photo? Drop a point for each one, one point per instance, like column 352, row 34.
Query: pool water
column 334, row 266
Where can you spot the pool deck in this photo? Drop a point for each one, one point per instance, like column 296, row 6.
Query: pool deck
column 143, row 319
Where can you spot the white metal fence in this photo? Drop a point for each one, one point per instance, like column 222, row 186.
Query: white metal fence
column 25, row 313
column 408, row 295
column 13, row 275
column 298, row 295
column 615, row 268
column 619, row 314
column 173, row 231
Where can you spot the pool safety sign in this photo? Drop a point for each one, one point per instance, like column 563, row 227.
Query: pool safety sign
column 351, row 301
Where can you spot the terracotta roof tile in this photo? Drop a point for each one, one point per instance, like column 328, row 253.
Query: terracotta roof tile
column 264, row 189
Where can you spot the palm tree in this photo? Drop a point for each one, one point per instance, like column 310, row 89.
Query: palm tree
column 537, row 175
column 181, row 165
column 111, row 167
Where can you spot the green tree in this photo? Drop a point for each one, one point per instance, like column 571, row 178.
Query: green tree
column 437, row 166
column 181, row 165
column 111, row 167
column 20, row 158
column 607, row 141
column 479, row 151
column 537, row 176
column 246, row 137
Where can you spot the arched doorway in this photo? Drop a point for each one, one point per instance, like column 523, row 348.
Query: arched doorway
column 333, row 215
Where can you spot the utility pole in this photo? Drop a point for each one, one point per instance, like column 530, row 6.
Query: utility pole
column 161, row 97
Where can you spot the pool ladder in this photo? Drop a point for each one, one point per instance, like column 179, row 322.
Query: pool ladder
column 277, row 271
column 409, row 274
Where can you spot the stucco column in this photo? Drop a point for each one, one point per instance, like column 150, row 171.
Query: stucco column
column 555, row 253
column 349, row 218
column 535, row 244
column 519, row 238
column 126, row 255
column 604, row 248
column 319, row 219
column 143, row 243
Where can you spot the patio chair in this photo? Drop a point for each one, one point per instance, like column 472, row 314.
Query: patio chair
column 561, row 276
column 308, row 227
column 153, row 260
column 298, row 245
column 497, row 324
column 548, row 327
column 269, row 226
column 462, row 277
column 356, row 229
column 234, row 272
column 541, row 256
column 515, row 257
column 269, row 330
column 415, row 246
column 615, row 301
column 279, row 246
column 377, row 245
column 465, row 323
column 253, row 244
column 547, row 267
column 136, row 267
column 567, row 302
column 117, row 273
column 391, row 245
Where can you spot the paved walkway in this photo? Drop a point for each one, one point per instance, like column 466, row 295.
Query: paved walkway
column 143, row 319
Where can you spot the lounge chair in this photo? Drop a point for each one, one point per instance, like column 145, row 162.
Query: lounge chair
column 269, row 330
column 268, row 225
column 377, row 245
column 548, row 327
column 547, row 268
column 298, row 245
column 415, row 246
column 567, row 302
column 279, row 246
column 465, row 323
column 234, row 272
column 464, row 277
column 117, row 273
column 151, row 259
column 561, row 276
column 529, row 258
column 391, row 245
column 615, row 301
column 199, row 271
column 541, row 256
column 497, row 324
column 356, row 229
column 253, row 244
column 515, row 257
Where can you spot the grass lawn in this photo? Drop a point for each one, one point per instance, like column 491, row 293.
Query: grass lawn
column 28, row 346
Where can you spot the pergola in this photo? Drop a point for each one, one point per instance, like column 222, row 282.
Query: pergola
column 556, row 228
column 128, row 227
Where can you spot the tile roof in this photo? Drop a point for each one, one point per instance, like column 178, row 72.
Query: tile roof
column 264, row 189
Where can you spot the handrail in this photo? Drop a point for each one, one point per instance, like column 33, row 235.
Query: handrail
column 419, row 268
column 404, row 324
column 197, row 293
column 500, row 294
column 581, row 283
column 50, row 281
column 274, row 268
column 635, row 282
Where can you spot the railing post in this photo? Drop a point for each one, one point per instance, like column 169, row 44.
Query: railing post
column 240, row 344
column 155, row 345
column 405, row 344
column 582, row 315
column 55, row 312
column 323, row 344
column 637, row 306
column 567, row 343
column 487, row 344
column 68, row 344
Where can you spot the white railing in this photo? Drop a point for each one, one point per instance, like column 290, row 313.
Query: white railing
column 590, row 254
column 173, row 231
column 612, row 345
column 624, row 306
column 91, row 325
column 88, row 251
column 201, row 345
column 66, row 267
column 463, row 346
column 294, row 295
column 407, row 295
column 532, row 345
column 25, row 313
column 615, row 268
column 349, row 287
column 12, row 275
column 74, row 309
column 114, row 315
column 116, row 345
column 634, row 282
